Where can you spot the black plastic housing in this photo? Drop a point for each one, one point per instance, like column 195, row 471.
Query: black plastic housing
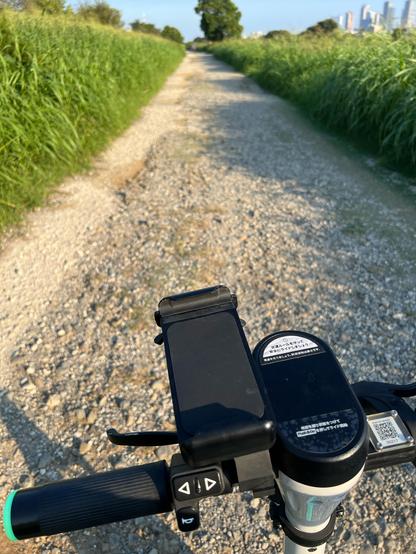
column 377, row 397
column 321, row 429
column 217, row 393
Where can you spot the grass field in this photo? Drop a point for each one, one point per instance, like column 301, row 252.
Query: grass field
column 361, row 86
column 67, row 88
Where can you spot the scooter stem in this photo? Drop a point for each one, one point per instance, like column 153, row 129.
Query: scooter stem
column 293, row 548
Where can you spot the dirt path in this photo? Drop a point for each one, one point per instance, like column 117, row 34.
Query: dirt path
column 237, row 189
column 37, row 260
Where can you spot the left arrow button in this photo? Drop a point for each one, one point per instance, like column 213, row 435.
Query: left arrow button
column 185, row 488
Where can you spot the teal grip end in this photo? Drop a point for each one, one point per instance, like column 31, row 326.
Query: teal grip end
column 7, row 517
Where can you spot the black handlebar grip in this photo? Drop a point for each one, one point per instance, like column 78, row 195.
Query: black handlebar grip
column 88, row 501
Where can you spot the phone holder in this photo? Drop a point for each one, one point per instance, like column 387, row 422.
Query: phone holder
column 221, row 407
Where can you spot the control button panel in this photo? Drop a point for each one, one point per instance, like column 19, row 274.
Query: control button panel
column 197, row 485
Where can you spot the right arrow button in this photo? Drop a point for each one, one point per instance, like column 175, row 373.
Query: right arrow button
column 211, row 483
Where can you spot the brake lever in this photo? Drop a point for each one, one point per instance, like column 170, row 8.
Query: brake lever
column 142, row 438
column 379, row 397
column 405, row 391
column 382, row 397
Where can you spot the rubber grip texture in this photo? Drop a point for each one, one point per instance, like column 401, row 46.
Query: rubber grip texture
column 89, row 501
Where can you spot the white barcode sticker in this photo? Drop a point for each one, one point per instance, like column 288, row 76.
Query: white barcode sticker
column 386, row 432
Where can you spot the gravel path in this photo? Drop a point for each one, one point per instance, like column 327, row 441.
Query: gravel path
column 38, row 257
column 239, row 190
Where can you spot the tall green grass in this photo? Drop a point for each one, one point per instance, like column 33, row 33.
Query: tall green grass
column 66, row 89
column 362, row 86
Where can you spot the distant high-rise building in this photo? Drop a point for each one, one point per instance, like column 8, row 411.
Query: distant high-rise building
column 388, row 16
column 373, row 21
column 376, row 24
column 349, row 22
column 340, row 21
column 365, row 14
column 377, row 19
column 409, row 14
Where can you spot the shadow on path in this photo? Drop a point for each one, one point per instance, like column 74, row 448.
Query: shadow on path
column 274, row 131
column 41, row 453
column 351, row 223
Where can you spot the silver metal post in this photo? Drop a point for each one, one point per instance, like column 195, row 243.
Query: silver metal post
column 293, row 548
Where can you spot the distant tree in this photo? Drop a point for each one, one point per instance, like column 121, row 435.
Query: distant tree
column 141, row 27
column 220, row 19
column 398, row 33
column 14, row 4
column 278, row 34
column 101, row 12
column 172, row 33
column 323, row 27
column 50, row 6
column 44, row 6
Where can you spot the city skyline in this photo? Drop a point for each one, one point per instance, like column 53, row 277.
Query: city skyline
column 388, row 18
column 260, row 16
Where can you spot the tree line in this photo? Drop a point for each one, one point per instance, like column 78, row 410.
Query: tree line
column 99, row 11
column 221, row 19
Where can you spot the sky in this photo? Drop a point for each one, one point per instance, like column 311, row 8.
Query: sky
column 258, row 15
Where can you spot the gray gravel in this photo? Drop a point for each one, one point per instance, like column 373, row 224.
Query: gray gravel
column 310, row 235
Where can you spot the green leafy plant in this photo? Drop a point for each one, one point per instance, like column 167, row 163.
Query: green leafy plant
column 66, row 88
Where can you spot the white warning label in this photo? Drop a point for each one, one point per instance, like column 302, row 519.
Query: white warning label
column 289, row 346
column 321, row 427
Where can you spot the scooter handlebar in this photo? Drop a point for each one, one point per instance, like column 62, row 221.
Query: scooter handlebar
column 88, row 501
